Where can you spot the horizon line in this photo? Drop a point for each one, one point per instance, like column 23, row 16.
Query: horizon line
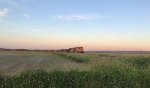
column 86, row 50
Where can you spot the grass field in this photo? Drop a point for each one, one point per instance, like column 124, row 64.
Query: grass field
column 68, row 70
column 13, row 62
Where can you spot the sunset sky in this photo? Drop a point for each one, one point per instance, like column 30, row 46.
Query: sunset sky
column 93, row 24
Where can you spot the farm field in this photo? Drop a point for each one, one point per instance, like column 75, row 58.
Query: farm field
column 13, row 62
column 70, row 70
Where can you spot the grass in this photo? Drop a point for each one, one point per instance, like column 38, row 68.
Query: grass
column 110, row 77
column 76, row 56
column 12, row 62
column 140, row 62
column 104, row 70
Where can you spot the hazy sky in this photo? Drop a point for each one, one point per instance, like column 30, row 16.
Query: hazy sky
column 93, row 24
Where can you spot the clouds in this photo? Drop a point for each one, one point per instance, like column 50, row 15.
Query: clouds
column 6, row 0
column 9, row 2
column 26, row 0
column 36, row 30
column 27, row 15
column 80, row 17
column 16, row 7
column 4, row 12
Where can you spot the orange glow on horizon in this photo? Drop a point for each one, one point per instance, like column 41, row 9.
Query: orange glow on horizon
column 62, row 43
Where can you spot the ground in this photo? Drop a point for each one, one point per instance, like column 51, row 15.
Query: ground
column 71, row 70
column 13, row 62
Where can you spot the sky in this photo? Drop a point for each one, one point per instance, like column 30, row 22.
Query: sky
column 93, row 24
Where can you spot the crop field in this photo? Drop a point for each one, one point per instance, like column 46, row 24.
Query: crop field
column 71, row 70
column 13, row 62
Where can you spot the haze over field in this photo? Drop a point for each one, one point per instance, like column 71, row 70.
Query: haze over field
column 93, row 24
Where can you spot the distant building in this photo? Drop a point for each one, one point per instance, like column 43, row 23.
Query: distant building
column 76, row 50
column 70, row 50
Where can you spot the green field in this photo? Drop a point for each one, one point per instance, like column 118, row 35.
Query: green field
column 13, row 62
column 68, row 70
